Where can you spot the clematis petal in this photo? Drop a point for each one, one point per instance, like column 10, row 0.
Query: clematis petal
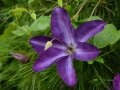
column 89, row 29
column 85, row 51
column 39, row 42
column 116, row 82
column 47, row 58
column 61, row 26
column 66, row 71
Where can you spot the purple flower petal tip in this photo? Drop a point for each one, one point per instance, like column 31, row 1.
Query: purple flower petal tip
column 100, row 22
column 97, row 23
column 61, row 26
column 37, row 66
column 40, row 66
column 35, row 69
column 58, row 9
column 66, row 71
column 116, row 82
column 72, row 83
column 89, row 29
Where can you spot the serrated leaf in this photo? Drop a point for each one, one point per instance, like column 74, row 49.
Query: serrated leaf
column 60, row 3
column 109, row 35
column 99, row 59
column 18, row 32
column 42, row 23
column 33, row 16
column 21, row 31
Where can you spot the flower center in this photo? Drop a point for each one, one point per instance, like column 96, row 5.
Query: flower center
column 71, row 50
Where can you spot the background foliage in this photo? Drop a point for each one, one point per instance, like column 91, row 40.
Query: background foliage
column 22, row 19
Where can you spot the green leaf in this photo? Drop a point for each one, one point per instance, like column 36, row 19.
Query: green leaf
column 21, row 31
column 1, row 64
column 4, row 47
column 77, row 1
column 115, row 37
column 33, row 16
column 7, row 32
column 42, row 23
column 99, row 59
column 109, row 35
column 18, row 32
column 68, row 7
column 90, row 62
column 60, row 3
column 19, row 10
column 30, row 1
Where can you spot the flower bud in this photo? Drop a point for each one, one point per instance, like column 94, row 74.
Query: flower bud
column 22, row 58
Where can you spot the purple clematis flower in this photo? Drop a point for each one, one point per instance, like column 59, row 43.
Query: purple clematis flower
column 116, row 82
column 68, row 44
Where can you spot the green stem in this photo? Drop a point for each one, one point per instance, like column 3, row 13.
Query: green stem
column 94, row 10
column 81, row 6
